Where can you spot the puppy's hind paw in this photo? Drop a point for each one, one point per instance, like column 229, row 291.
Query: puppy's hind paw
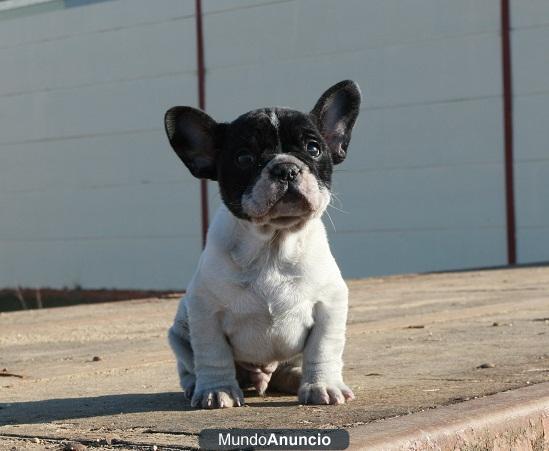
column 325, row 393
column 218, row 398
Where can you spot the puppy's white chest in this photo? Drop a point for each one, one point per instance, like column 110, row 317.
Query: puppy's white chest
column 269, row 318
column 263, row 294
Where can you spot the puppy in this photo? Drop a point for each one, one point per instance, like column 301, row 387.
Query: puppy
column 267, row 305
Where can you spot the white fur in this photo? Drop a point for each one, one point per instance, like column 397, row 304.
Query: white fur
column 265, row 293
column 274, row 120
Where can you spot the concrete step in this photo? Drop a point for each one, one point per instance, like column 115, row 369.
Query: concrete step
column 512, row 420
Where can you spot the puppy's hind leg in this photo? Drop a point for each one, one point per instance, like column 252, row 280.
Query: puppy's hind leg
column 287, row 377
column 185, row 359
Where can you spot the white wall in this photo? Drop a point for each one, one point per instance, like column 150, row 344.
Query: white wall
column 530, row 41
column 90, row 192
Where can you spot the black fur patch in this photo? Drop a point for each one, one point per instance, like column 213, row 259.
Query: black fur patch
column 255, row 132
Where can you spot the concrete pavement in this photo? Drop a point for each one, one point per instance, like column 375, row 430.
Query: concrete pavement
column 103, row 375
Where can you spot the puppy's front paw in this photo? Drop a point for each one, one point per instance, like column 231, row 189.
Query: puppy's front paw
column 189, row 391
column 324, row 393
column 188, row 381
column 218, row 398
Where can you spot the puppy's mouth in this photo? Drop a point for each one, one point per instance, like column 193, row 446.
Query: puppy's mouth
column 286, row 221
column 284, row 201
column 287, row 208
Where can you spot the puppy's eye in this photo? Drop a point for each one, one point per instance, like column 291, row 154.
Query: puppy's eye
column 313, row 149
column 244, row 159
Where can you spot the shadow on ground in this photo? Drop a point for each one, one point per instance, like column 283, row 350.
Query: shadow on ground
column 49, row 410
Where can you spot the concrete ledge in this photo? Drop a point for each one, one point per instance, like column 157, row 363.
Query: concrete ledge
column 512, row 420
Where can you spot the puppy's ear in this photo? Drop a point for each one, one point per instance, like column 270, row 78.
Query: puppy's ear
column 335, row 114
column 196, row 139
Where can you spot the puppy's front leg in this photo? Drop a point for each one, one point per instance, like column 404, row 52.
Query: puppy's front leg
column 216, row 385
column 322, row 381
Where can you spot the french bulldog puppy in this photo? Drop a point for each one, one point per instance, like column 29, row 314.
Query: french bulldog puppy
column 267, row 305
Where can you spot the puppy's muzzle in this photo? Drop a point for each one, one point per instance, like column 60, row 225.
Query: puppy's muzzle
column 285, row 172
column 285, row 194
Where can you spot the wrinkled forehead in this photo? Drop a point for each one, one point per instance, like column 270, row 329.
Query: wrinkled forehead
column 269, row 125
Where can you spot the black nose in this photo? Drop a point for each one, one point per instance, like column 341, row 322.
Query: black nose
column 285, row 172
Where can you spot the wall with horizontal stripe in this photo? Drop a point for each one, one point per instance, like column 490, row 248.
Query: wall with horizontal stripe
column 530, row 39
column 90, row 191
column 91, row 194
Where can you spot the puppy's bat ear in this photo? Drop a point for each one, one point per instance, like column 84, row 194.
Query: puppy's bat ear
column 335, row 114
column 196, row 139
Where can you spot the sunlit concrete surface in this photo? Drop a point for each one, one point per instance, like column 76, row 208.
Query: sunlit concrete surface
column 415, row 343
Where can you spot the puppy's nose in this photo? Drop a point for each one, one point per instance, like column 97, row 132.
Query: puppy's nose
column 285, row 172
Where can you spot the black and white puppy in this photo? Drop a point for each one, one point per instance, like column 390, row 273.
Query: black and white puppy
column 267, row 305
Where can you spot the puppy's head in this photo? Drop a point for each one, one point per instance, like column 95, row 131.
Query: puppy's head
column 274, row 165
